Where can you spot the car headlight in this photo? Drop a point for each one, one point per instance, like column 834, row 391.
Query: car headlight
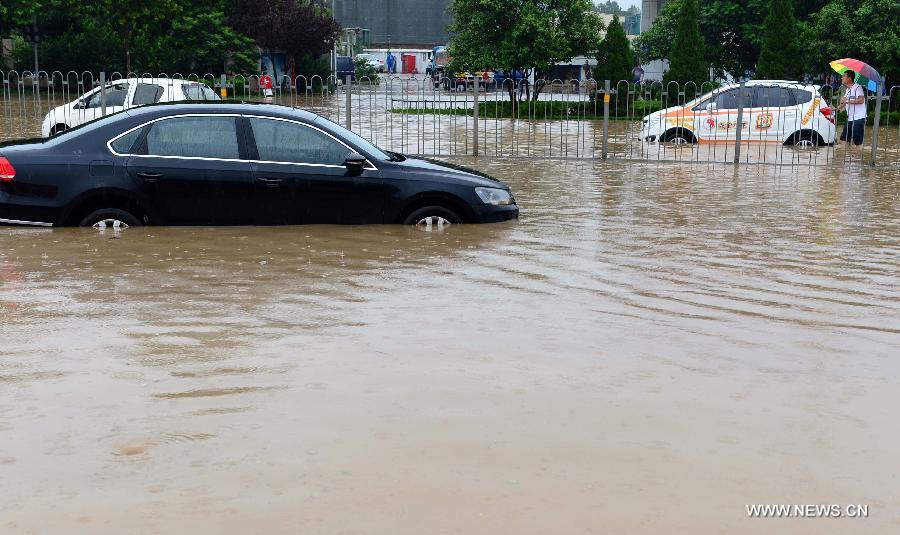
column 495, row 196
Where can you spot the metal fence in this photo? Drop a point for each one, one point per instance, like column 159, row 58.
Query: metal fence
column 788, row 124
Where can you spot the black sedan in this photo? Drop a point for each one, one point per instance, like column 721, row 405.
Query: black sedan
column 232, row 164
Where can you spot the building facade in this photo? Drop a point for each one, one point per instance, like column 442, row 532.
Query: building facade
column 396, row 23
column 650, row 9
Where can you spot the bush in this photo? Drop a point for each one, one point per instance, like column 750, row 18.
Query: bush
column 364, row 71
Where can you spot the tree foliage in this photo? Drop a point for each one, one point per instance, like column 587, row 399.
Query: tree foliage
column 862, row 29
column 826, row 29
column 780, row 58
column 525, row 35
column 297, row 27
column 168, row 36
column 687, row 56
column 614, row 57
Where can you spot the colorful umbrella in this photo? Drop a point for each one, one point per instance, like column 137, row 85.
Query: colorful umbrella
column 866, row 76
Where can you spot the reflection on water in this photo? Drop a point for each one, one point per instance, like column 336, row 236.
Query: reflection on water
column 683, row 339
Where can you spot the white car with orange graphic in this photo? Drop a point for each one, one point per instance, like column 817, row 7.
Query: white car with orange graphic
column 775, row 111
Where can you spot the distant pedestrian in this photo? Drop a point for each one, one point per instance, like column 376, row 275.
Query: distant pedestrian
column 854, row 101
column 637, row 74
column 265, row 83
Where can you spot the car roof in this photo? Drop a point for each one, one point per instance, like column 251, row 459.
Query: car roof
column 155, row 80
column 244, row 108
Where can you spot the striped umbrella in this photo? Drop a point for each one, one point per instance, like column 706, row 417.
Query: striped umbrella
column 866, row 76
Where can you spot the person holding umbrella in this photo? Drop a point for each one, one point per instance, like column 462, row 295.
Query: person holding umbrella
column 854, row 101
column 855, row 74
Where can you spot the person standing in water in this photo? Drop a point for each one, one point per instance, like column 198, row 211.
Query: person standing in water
column 854, row 101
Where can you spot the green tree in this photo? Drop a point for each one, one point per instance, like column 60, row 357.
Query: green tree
column 687, row 60
column 610, row 7
column 861, row 29
column 614, row 58
column 299, row 28
column 780, row 58
column 526, row 35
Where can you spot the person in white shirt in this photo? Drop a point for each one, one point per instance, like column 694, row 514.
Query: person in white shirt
column 854, row 101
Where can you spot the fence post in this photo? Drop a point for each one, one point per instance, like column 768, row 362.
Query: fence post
column 223, row 88
column 739, row 125
column 348, row 85
column 475, row 118
column 103, row 93
column 878, row 97
column 606, row 87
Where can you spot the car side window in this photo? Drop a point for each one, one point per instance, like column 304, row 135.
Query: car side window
column 115, row 96
column 729, row 99
column 125, row 144
column 282, row 141
column 203, row 137
column 198, row 92
column 773, row 97
column 147, row 94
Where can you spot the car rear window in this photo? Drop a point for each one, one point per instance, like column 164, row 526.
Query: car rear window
column 802, row 96
column 204, row 137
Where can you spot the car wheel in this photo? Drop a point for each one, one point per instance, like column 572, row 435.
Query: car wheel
column 58, row 129
column 113, row 218
column 679, row 136
column 806, row 140
column 432, row 217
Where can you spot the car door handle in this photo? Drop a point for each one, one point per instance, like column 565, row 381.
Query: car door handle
column 149, row 177
column 270, row 182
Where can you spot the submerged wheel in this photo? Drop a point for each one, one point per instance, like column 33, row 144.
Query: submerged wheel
column 431, row 217
column 679, row 136
column 806, row 140
column 110, row 218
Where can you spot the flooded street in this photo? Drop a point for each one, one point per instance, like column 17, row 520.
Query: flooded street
column 649, row 349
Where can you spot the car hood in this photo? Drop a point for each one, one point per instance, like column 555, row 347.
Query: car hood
column 454, row 171
column 660, row 113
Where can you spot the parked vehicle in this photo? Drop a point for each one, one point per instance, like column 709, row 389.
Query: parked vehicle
column 775, row 111
column 233, row 164
column 121, row 95
column 345, row 67
column 372, row 61
column 437, row 65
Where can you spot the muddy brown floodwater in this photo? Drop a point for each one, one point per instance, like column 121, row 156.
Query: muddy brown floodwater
column 650, row 349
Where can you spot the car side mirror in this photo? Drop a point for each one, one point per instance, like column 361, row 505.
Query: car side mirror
column 355, row 162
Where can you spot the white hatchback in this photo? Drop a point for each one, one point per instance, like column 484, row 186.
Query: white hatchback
column 775, row 111
column 121, row 95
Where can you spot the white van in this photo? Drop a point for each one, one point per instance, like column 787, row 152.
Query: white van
column 121, row 95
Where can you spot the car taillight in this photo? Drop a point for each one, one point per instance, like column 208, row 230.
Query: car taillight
column 7, row 171
column 828, row 113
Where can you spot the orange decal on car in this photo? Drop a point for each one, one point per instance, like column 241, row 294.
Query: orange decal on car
column 808, row 115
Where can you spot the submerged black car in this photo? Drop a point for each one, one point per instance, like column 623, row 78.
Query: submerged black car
column 232, row 164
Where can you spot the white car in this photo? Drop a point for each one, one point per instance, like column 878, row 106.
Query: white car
column 775, row 111
column 121, row 95
column 375, row 63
